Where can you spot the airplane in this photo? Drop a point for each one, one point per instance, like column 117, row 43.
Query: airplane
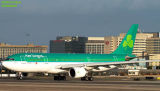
column 76, row 65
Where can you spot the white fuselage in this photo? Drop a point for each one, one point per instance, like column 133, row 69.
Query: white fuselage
column 23, row 66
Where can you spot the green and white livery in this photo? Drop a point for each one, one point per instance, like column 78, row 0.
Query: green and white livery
column 76, row 65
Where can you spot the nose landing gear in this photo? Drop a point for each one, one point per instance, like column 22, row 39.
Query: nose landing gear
column 19, row 76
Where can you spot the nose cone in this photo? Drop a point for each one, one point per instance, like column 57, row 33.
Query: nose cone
column 6, row 64
column 3, row 63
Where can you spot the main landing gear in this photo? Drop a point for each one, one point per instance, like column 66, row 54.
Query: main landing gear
column 89, row 77
column 86, row 78
column 59, row 78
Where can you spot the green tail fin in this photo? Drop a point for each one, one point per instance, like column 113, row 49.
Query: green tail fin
column 127, row 44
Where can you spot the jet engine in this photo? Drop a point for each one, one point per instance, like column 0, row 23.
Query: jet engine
column 77, row 72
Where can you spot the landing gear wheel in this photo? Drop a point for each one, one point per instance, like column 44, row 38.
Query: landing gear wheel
column 87, row 79
column 19, row 76
column 90, row 79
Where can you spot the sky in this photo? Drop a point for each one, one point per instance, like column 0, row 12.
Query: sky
column 38, row 21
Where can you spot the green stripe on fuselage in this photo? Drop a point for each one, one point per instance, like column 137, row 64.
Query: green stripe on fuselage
column 64, row 57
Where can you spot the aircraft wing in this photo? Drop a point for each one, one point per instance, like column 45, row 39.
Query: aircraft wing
column 103, row 64
column 123, row 62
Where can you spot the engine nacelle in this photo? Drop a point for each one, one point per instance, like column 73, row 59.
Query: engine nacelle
column 77, row 72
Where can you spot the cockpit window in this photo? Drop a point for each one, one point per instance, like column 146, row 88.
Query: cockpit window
column 10, row 59
column 7, row 59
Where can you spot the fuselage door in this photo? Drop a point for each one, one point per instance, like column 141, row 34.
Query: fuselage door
column 23, row 60
column 45, row 59
column 88, row 59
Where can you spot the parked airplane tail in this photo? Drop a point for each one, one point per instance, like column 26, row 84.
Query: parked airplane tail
column 127, row 44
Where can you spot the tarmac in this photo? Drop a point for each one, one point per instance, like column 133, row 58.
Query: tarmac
column 77, row 85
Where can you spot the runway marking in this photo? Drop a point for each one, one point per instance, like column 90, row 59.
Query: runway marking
column 48, row 85
column 79, row 85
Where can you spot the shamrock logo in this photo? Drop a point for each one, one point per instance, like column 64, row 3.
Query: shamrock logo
column 128, row 42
